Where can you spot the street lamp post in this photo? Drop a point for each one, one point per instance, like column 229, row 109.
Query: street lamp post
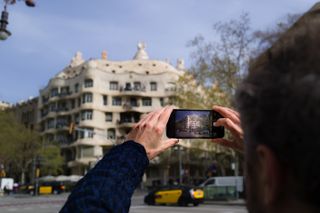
column 179, row 149
column 180, row 164
column 4, row 33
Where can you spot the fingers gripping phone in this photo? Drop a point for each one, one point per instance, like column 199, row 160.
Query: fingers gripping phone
column 185, row 123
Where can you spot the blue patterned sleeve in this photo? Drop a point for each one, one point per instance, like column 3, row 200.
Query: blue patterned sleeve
column 108, row 187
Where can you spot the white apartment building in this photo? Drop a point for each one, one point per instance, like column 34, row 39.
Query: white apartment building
column 103, row 99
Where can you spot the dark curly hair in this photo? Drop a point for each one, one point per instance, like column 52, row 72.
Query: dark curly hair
column 279, row 102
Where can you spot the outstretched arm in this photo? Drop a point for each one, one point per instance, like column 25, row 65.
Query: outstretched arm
column 108, row 187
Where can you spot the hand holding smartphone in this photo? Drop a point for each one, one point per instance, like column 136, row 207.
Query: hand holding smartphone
column 185, row 123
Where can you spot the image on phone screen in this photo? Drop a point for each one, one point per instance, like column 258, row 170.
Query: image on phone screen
column 194, row 124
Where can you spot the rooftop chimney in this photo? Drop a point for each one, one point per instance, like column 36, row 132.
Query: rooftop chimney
column 104, row 55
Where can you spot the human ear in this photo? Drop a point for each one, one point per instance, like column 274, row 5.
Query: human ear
column 270, row 175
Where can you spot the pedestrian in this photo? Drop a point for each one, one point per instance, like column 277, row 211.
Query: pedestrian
column 6, row 190
column 279, row 123
column 277, row 127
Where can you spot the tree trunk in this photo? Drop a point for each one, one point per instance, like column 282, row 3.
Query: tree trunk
column 23, row 177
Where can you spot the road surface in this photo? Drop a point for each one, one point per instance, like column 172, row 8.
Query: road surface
column 53, row 203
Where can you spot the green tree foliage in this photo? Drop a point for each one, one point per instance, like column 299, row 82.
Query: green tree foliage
column 218, row 67
column 18, row 146
column 50, row 160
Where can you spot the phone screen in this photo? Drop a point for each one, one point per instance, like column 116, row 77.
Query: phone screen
column 185, row 123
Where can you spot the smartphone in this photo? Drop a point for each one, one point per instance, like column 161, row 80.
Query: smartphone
column 187, row 123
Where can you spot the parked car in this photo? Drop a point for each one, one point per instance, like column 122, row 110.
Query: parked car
column 44, row 188
column 181, row 195
column 224, row 187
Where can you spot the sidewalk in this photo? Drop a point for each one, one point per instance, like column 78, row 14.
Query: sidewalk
column 239, row 202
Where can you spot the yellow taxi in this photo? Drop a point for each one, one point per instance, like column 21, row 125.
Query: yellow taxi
column 181, row 195
column 44, row 188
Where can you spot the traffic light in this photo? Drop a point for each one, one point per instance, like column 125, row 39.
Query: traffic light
column 71, row 128
column 37, row 172
column 2, row 174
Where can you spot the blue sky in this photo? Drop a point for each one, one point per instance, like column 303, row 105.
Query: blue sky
column 45, row 38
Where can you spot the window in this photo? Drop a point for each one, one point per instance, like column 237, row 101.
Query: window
column 73, row 103
column 53, row 107
column 44, row 99
column 87, row 133
column 210, row 182
column 62, row 106
column 50, row 123
column 105, row 100
column 137, row 86
column 86, row 115
column 108, row 116
column 146, row 101
column 128, row 87
column 87, row 151
column 64, row 91
column 114, row 85
column 62, row 139
column 77, row 118
column 116, row 101
column 44, row 111
column 129, row 117
column 133, row 102
column 88, row 83
column 111, row 134
column 153, row 86
column 161, row 101
column 62, row 122
column 79, row 102
column 87, row 98
column 76, row 87
column 54, row 92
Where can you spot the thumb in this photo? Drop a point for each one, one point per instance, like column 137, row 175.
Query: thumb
column 164, row 146
column 168, row 143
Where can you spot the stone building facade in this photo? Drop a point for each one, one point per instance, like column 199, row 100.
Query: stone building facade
column 101, row 100
column 26, row 113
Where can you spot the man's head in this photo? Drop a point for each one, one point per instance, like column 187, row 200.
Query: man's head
column 279, row 103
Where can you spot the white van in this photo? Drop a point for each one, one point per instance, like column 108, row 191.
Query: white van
column 6, row 183
column 236, row 181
